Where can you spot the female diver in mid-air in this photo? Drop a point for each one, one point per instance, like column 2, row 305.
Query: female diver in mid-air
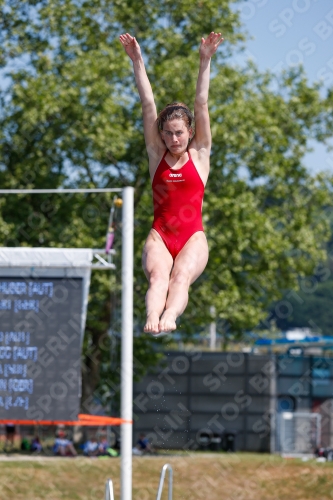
column 176, row 250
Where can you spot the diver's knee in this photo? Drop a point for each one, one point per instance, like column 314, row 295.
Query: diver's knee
column 156, row 278
column 181, row 277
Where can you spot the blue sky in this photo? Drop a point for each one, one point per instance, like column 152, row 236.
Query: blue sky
column 286, row 33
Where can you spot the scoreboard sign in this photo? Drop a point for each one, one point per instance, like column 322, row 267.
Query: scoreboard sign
column 40, row 348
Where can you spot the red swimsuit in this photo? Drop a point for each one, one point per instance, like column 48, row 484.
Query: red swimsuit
column 178, row 196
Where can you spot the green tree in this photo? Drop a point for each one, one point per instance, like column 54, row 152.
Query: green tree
column 310, row 308
column 71, row 117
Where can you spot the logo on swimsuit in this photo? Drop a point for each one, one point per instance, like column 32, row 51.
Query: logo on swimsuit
column 175, row 175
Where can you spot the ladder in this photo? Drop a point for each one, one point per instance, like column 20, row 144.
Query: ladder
column 109, row 490
column 109, row 485
column 160, row 487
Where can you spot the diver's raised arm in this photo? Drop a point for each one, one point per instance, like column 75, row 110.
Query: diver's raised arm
column 149, row 113
column 207, row 49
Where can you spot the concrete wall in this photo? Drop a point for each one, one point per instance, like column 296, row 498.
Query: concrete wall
column 219, row 393
column 213, row 393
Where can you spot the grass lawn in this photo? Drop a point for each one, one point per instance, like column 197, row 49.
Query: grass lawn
column 210, row 476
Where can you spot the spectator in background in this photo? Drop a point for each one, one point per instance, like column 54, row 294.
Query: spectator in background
column 91, row 448
column 10, row 435
column 143, row 445
column 104, row 450
column 25, row 444
column 36, row 446
column 63, row 446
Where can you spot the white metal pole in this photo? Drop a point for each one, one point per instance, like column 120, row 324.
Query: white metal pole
column 127, row 343
column 212, row 329
column 60, row 191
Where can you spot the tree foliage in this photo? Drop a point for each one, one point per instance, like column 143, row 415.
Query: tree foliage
column 311, row 308
column 70, row 116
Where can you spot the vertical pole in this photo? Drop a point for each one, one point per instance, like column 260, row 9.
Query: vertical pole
column 273, row 405
column 127, row 342
column 212, row 329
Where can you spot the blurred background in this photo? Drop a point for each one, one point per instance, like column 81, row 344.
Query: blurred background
column 70, row 117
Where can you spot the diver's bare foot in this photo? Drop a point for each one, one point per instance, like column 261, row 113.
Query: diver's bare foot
column 151, row 325
column 168, row 321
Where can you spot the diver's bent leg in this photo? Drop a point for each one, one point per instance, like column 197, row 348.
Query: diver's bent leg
column 189, row 264
column 176, row 302
column 155, row 300
column 157, row 263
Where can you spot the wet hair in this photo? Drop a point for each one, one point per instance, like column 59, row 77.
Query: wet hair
column 175, row 111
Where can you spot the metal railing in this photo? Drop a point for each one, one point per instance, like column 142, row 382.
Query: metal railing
column 109, row 490
column 299, row 432
column 160, row 487
column 109, row 485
